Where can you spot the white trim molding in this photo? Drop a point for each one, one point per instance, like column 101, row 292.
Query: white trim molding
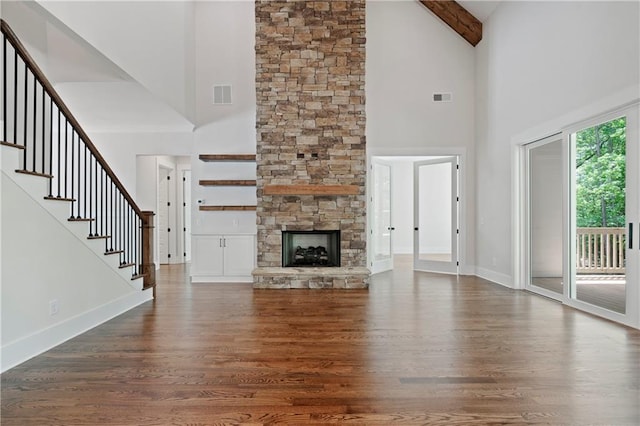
column 495, row 277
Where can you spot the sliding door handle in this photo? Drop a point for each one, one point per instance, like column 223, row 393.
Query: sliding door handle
column 630, row 235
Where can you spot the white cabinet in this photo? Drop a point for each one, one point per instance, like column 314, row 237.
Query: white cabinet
column 239, row 255
column 207, row 255
column 223, row 258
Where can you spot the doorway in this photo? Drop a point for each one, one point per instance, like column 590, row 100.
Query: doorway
column 436, row 215
column 163, row 185
column 414, row 213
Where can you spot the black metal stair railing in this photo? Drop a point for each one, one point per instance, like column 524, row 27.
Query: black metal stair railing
column 56, row 147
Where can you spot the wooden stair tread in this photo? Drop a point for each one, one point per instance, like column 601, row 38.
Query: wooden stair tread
column 59, row 198
column 226, row 182
column 227, row 157
column 27, row 172
column 126, row 265
column 135, row 277
column 107, row 253
column 80, row 219
column 98, row 237
column 226, row 208
column 13, row 145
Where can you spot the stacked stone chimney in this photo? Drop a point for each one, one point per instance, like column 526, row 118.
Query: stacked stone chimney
column 311, row 162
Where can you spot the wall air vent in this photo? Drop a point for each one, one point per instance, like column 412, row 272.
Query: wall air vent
column 222, row 94
column 442, row 97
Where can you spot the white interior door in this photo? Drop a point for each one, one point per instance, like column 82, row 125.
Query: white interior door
column 163, row 215
column 381, row 221
column 436, row 215
column 186, row 214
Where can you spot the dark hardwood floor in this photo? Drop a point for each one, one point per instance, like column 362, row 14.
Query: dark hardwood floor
column 608, row 291
column 417, row 348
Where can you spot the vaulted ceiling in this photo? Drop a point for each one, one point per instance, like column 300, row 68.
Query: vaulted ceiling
column 464, row 17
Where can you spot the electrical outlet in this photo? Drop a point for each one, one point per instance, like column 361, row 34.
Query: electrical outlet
column 54, row 307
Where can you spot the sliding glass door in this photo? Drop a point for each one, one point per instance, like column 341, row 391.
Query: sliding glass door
column 582, row 210
column 544, row 217
column 604, row 201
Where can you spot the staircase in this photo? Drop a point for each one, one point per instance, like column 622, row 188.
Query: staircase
column 50, row 167
column 55, row 148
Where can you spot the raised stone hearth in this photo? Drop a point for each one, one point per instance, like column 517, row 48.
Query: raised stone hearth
column 320, row 278
column 310, row 65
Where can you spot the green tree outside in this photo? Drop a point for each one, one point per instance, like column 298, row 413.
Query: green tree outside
column 601, row 175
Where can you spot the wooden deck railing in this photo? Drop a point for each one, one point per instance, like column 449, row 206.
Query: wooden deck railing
column 600, row 250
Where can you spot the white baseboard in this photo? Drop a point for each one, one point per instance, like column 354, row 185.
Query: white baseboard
column 496, row 277
column 21, row 350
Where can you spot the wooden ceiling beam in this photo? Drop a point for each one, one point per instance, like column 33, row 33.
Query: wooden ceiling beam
column 458, row 18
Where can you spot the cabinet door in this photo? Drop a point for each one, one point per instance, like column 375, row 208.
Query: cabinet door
column 208, row 255
column 239, row 255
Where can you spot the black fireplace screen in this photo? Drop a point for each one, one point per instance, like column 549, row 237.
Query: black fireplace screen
column 310, row 248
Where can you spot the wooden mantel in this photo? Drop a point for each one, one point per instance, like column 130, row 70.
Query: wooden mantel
column 311, row 190
column 227, row 157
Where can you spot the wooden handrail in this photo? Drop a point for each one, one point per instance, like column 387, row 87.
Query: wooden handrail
column 37, row 72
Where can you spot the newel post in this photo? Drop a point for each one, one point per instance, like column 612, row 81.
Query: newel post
column 148, row 268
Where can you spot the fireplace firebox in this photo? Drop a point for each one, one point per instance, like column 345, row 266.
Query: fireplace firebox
column 310, row 248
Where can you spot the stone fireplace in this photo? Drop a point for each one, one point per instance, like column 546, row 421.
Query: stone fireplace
column 311, row 161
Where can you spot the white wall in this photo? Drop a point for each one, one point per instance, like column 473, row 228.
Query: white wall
column 30, row 27
column 151, row 40
column 539, row 62
column 146, row 181
column 410, row 55
column 225, row 39
column 121, row 151
column 224, row 47
column 45, row 263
